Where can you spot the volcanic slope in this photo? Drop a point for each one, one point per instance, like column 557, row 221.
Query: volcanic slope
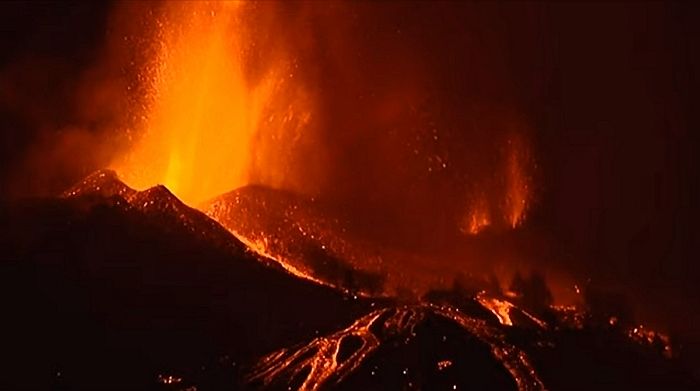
column 322, row 241
column 106, row 287
column 494, row 343
column 112, row 288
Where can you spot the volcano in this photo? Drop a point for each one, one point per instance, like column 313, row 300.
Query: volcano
column 260, row 195
column 126, row 289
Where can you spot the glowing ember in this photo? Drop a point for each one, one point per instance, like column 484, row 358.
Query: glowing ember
column 644, row 335
column 169, row 379
column 570, row 316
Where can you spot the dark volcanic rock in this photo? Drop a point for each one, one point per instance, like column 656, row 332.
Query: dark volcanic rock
column 108, row 287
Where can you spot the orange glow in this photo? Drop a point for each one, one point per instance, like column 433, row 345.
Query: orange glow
column 517, row 182
column 478, row 218
column 503, row 205
column 261, row 247
column 500, row 308
column 204, row 115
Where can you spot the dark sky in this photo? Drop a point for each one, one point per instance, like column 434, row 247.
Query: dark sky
column 620, row 145
column 610, row 92
column 45, row 48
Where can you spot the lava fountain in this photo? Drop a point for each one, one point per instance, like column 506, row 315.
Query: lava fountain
column 205, row 112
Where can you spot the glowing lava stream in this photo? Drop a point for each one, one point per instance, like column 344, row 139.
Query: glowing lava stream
column 260, row 249
column 320, row 356
column 106, row 183
column 502, row 309
column 514, row 359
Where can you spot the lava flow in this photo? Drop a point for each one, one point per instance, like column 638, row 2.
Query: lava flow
column 327, row 361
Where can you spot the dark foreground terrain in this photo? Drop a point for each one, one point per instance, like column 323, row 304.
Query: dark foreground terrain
column 109, row 288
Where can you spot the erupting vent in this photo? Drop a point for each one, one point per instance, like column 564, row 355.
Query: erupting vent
column 214, row 118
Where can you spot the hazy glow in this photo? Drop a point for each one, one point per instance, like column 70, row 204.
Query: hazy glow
column 518, row 189
column 478, row 217
column 503, row 203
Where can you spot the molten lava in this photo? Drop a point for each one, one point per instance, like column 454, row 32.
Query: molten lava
column 203, row 119
column 319, row 363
